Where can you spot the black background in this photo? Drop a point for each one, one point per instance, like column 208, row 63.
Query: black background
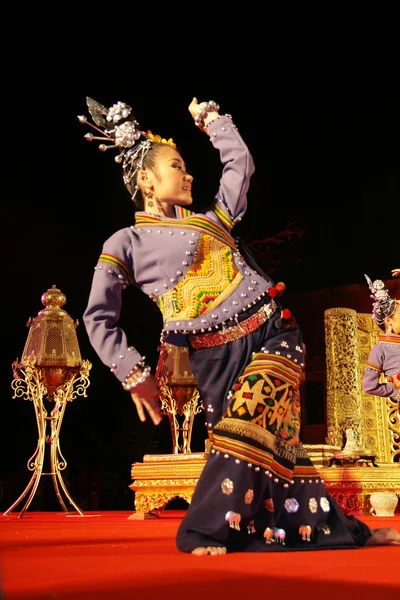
column 324, row 134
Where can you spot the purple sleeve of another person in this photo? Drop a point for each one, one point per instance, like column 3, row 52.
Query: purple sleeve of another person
column 373, row 372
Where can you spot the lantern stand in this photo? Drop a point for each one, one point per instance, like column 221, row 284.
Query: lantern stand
column 179, row 398
column 162, row 477
column 51, row 366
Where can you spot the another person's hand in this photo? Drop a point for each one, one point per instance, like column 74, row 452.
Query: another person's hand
column 145, row 397
column 395, row 379
column 396, row 272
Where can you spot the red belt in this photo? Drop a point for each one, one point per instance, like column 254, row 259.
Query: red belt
column 209, row 340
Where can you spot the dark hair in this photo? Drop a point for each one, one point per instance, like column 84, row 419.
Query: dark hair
column 149, row 162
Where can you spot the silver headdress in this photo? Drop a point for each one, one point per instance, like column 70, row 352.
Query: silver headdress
column 120, row 133
column 383, row 305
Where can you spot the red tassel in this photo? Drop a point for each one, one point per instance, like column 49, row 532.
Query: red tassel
column 281, row 287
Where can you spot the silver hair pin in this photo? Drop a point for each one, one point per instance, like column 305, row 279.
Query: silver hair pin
column 116, row 131
column 123, row 136
column 384, row 306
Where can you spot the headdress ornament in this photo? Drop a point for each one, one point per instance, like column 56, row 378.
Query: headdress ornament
column 119, row 130
column 383, row 305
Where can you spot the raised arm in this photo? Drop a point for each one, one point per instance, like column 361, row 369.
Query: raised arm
column 238, row 165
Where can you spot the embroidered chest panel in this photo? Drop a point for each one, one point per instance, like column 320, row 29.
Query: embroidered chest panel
column 209, row 281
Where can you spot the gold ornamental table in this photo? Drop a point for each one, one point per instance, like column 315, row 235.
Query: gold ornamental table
column 352, row 486
column 162, row 477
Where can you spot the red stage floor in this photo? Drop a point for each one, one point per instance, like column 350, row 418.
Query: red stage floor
column 109, row 556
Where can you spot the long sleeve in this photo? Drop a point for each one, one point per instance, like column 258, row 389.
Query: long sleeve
column 112, row 274
column 373, row 371
column 238, row 167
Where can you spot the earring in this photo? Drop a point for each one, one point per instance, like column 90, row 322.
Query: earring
column 149, row 195
column 133, row 197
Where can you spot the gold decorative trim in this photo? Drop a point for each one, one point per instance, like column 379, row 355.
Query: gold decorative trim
column 147, row 503
column 352, row 486
column 158, row 481
column 163, row 458
column 162, row 477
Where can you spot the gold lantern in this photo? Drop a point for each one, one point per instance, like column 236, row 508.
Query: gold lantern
column 51, row 368
column 180, row 398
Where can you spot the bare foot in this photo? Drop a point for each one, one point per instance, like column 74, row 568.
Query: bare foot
column 386, row 536
column 201, row 551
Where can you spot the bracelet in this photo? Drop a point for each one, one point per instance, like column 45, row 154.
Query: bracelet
column 137, row 375
column 203, row 109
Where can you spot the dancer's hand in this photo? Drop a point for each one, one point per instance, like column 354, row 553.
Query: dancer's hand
column 145, row 397
column 195, row 108
column 396, row 272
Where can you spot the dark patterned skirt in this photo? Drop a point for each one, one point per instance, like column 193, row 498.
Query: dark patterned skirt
column 258, row 490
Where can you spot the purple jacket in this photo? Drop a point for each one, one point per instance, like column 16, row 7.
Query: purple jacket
column 190, row 266
column 384, row 358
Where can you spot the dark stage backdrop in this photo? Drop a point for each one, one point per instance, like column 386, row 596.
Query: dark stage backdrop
column 324, row 136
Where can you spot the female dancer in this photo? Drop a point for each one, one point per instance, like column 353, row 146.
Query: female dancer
column 259, row 490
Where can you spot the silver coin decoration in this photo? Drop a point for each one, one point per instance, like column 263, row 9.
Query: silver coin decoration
column 227, row 486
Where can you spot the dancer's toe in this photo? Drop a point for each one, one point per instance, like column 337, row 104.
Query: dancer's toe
column 216, row 550
column 386, row 536
column 213, row 550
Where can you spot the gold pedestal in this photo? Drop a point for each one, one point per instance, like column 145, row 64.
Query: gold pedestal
column 352, row 486
column 162, row 477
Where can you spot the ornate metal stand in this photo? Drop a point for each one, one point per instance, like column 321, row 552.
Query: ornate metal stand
column 160, row 478
column 28, row 383
column 180, row 399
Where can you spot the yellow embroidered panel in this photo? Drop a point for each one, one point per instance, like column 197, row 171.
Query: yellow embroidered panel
column 209, row 281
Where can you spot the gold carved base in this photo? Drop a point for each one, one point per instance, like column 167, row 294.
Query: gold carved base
column 162, row 477
column 351, row 486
